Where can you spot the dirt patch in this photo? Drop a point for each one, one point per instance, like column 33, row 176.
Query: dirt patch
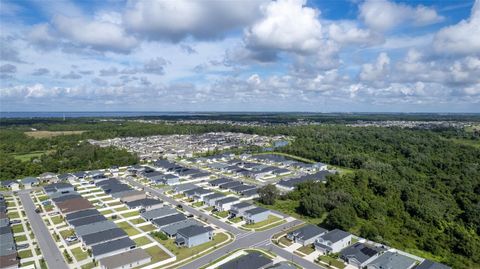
column 47, row 134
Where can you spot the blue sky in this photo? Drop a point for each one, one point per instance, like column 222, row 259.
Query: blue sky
column 254, row 55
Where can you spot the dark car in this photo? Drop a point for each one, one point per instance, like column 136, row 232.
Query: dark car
column 22, row 246
column 179, row 206
column 38, row 210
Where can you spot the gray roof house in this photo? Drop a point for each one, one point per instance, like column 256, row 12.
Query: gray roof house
column 212, row 198
column 333, row 241
column 112, row 247
column 237, row 210
column 82, row 214
column 147, row 204
column 129, row 259
column 392, row 260
column 225, row 203
column 306, row 235
column 194, row 235
column 255, row 215
column 29, row 181
column 253, row 260
column 427, row 264
column 94, row 228
column 172, row 229
column 87, row 220
column 220, row 181
column 360, row 254
column 181, row 188
column 159, row 213
column 200, row 193
column 103, row 236
column 165, row 221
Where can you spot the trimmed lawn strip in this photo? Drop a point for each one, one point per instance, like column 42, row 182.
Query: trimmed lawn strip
column 129, row 229
column 332, row 261
column 130, row 214
column 308, row 249
column 57, row 220
column 67, row 233
column 25, row 254
column 271, row 219
column 221, row 214
column 284, row 241
column 79, row 254
column 17, row 228
column 20, row 238
column 142, row 241
column 147, row 228
column 157, row 254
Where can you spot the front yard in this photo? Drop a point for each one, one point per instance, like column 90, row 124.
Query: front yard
column 266, row 224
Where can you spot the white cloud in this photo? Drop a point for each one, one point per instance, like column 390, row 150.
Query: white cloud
column 179, row 19
column 462, row 38
column 383, row 15
column 348, row 33
column 378, row 71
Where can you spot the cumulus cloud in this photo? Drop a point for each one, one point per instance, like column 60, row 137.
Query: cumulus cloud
column 176, row 20
column 155, row 66
column 71, row 75
column 348, row 33
column 40, row 71
column 383, row 15
column 376, row 72
column 462, row 38
column 9, row 54
column 8, row 69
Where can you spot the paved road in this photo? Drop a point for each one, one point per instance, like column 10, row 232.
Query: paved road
column 243, row 239
column 49, row 248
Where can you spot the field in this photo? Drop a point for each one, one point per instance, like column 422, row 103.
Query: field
column 30, row 155
column 48, row 134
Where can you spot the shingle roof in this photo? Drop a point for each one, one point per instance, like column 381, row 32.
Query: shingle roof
column 160, row 222
column 95, row 228
column 392, row 260
column 87, row 220
column 103, row 236
column 226, row 200
column 335, row 235
column 194, row 230
column 144, row 202
column 360, row 252
column 125, row 258
column 253, row 260
column 112, row 246
column 427, row 264
column 159, row 212
column 82, row 214
column 308, row 232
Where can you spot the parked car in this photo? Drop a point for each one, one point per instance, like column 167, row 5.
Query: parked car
column 15, row 221
column 38, row 210
column 71, row 238
column 179, row 206
column 190, row 216
column 22, row 246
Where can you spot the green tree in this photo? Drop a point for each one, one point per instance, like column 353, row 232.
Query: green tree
column 343, row 217
column 268, row 194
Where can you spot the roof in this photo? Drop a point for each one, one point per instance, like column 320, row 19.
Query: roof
column 213, row 196
column 173, row 228
column 392, row 260
column 184, row 187
column 308, row 232
column 29, row 180
column 427, row 264
column 283, row 265
column 132, row 193
column 72, row 205
column 194, row 230
column 319, row 176
column 87, row 220
column 63, row 198
column 9, row 260
column 125, row 258
column 253, row 260
column 8, row 182
column 242, row 205
column 169, row 220
column 159, row 212
column 201, row 191
column 250, row 192
column 256, row 210
column 226, row 200
column 242, row 188
column 360, row 252
column 103, row 236
column 230, row 184
column 335, row 235
column 94, row 228
column 144, row 202
column 113, row 245
column 220, row 181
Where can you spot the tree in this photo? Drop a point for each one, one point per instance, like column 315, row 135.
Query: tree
column 268, row 194
column 343, row 217
column 313, row 205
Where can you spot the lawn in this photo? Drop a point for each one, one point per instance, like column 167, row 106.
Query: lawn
column 137, row 221
column 183, row 253
column 197, row 204
column 48, row 134
column 89, row 265
column 20, row 238
column 142, row 241
column 208, row 209
column 147, row 228
column 157, row 254
column 262, row 224
column 42, row 198
column 57, row 220
column 221, row 214
column 285, row 241
column 236, row 219
column 28, row 156
column 17, row 228
column 120, row 209
column 67, row 233
column 13, row 215
column 130, row 214
column 114, row 203
column 308, row 249
column 129, row 229
column 179, row 196
column 289, row 207
column 79, row 254
column 332, row 261
column 106, row 212
column 25, row 254
column 48, row 208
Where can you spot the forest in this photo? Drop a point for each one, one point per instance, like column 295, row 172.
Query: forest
column 417, row 190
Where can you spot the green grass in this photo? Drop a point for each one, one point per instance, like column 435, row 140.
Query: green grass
column 106, row 212
column 289, row 207
column 48, row 208
column 179, row 196
column 147, row 228
column 42, row 198
column 236, row 219
column 332, row 261
column 114, row 203
column 67, row 233
column 17, row 228
column 13, row 215
column 197, row 204
column 130, row 214
column 308, row 249
column 20, row 238
column 221, row 214
column 27, row 264
column 79, row 254
column 89, row 265
column 137, row 221
column 129, row 229
column 157, row 254
column 120, row 209
column 271, row 219
column 285, row 241
column 57, row 220
column 25, row 254
column 142, row 241
column 28, row 156
column 208, row 209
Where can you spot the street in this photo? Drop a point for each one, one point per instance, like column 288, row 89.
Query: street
column 50, row 251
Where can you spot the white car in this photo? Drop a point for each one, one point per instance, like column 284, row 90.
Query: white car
column 71, row 239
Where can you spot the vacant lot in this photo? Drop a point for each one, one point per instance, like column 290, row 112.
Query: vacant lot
column 47, row 134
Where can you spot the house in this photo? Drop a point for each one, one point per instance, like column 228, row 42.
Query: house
column 289, row 184
column 81, row 214
column 238, row 210
column 11, row 184
column 167, row 179
column 360, row 254
column 392, row 260
column 48, row 177
column 103, row 236
column 59, row 188
column 283, row 265
column 132, row 195
column 241, row 188
column 74, row 205
column 167, row 220
column 225, row 203
column 145, row 204
column 230, row 185
column 65, row 197
column 158, row 213
column 95, row 228
column 129, row 259
column 251, row 193
column 9, row 261
column 65, row 177
column 219, row 181
column 28, row 182
column 181, row 188
column 306, row 235
column 87, row 220
column 253, row 260
column 427, row 264
column 112, row 247
column 255, row 215
column 333, row 241
column 200, row 193
column 194, row 235
column 172, row 229
column 212, row 198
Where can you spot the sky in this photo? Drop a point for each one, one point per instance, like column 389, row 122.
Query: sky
column 240, row 55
